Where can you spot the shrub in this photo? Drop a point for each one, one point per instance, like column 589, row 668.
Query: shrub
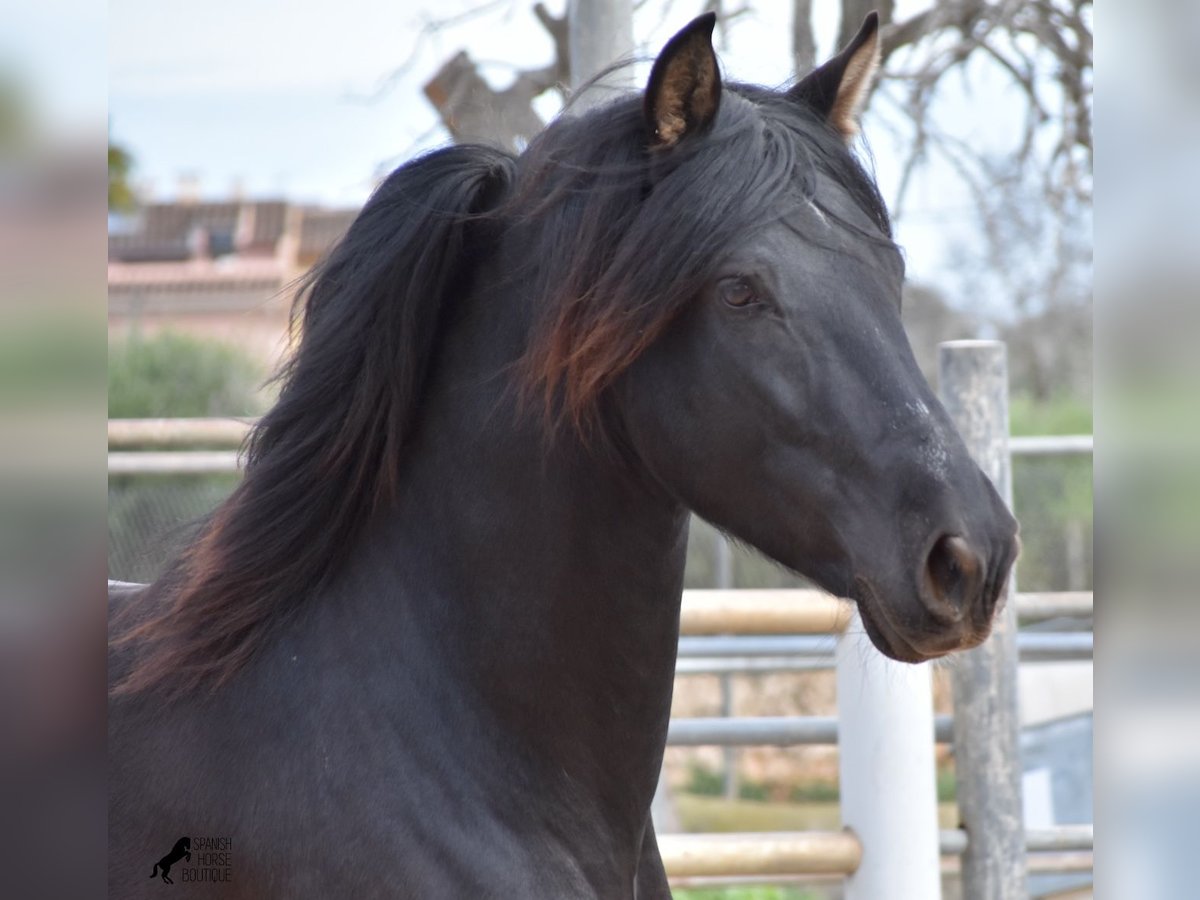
column 174, row 375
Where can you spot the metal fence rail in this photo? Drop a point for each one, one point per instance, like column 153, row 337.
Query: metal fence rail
column 749, row 854
column 810, row 612
column 164, row 446
column 814, row 853
column 1051, row 445
column 1056, row 646
column 164, row 434
column 171, row 462
column 772, row 731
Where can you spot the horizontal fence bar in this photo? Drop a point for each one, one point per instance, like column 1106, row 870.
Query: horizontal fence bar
column 758, row 645
column 1038, row 607
column 1055, row 646
column 230, row 432
column 1051, row 646
column 171, row 462
column 167, row 434
column 769, row 731
column 750, row 665
column 758, row 856
column 795, row 624
column 747, row 854
column 1061, row 838
column 762, row 611
column 1051, row 445
column 809, row 644
column 158, row 458
column 805, row 612
column 1060, row 863
column 170, row 436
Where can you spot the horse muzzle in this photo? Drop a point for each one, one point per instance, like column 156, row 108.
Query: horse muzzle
column 957, row 590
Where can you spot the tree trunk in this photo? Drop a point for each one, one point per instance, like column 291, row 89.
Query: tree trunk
column 600, row 32
column 804, row 45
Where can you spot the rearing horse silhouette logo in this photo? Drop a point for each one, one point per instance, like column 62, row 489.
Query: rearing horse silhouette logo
column 181, row 850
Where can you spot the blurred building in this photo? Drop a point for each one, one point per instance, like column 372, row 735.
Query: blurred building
column 220, row 270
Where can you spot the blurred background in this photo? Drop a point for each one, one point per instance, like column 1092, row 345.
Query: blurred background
column 242, row 142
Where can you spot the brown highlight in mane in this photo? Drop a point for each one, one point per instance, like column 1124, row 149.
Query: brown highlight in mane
column 580, row 355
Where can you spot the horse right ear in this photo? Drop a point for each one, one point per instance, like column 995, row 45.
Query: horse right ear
column 684, row 91
column 838, row 89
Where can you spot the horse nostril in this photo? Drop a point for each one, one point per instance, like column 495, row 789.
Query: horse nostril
column 951, row 577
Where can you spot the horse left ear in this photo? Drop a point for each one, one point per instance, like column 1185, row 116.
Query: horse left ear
column 684, row 91
column 837, row 89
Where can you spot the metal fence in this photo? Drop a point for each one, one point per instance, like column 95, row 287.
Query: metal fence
column 885, row 728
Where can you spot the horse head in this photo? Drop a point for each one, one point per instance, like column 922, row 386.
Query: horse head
column 780, row 399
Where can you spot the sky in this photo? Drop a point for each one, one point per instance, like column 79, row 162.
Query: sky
column 56, row 51
column 268, row 98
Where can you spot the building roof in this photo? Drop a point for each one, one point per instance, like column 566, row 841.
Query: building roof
column 216, row 257
column 320, row 229
column 170, row 231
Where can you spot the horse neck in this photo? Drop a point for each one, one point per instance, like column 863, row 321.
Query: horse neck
column 550, row 577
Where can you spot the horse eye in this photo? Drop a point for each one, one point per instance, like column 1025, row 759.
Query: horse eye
column 737, row 292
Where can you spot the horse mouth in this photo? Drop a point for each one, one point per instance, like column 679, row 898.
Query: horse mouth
column 886, row 640
column 891, row 640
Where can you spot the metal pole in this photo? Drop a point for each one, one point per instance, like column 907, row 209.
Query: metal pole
column 599, row 33
column 973, row 383
column 885, row 747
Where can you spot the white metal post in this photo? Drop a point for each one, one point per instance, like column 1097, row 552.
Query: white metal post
column 888, row 784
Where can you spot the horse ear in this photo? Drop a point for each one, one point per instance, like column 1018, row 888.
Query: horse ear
column 837, row 89
column 684, row 91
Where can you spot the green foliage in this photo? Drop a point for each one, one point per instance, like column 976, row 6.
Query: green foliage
column 947, row 785
column 752, row 790
column 120, row 193
column 1052, row 497
column 175, row 375
column 815, row 792
column 704, row 781
column 1060, row 415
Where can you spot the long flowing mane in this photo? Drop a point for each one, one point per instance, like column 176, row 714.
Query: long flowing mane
column 618, row 240
column 326, row 456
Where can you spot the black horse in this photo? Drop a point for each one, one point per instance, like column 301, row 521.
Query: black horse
column 426, row 648
column 181, row 850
